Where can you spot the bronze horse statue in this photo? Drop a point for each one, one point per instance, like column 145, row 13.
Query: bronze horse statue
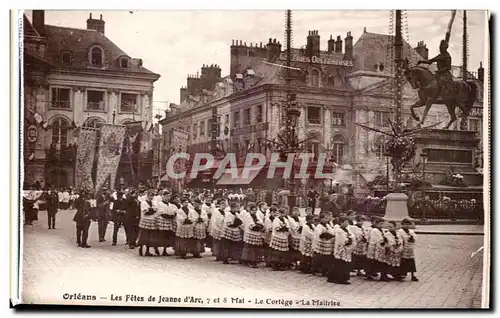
column 456, row 93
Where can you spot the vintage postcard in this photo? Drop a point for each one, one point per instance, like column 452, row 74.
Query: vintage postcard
column 302, row 159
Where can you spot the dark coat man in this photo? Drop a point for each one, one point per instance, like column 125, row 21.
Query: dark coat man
column 119, row 211
column 52, row 205
column 82, row 218
column 132, row 218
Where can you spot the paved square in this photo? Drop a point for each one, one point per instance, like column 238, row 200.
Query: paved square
column 54, row 266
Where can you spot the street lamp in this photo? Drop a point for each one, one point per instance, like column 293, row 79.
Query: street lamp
column 114, row 114
column 387, row 156
column 423, row 155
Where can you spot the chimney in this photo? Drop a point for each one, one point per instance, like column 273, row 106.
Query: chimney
column 184, row 93
column 348, row 46
column 313, row 43
column 94, row 24
column 338, row 45
column 39, row 21
column 480, row 72
column 273, row 49
column 422, row 50
column 193, row 85
column 331, row 45
column 210, row 75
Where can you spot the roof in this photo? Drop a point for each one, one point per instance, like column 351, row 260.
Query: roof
column 28, row 28
column 375, row 48
column 79, row 42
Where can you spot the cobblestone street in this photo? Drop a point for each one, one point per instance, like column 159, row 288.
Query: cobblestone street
column 53, row 266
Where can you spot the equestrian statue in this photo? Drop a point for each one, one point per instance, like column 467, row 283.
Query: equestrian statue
column 441, row 87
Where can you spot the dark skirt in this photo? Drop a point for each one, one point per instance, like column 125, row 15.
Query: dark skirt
column 183, row 246
column 358, row 262
column 147, row 237
column 305, row 264
column 373, row 267
column 231, row 250
column 196, row 246
column 252, row 253
column 408, row 266
column 165, row 238
column 216, row 248
column 209, row 241
column 321, row 263
column 340, row 271
column 279, row 257
column 295, row 256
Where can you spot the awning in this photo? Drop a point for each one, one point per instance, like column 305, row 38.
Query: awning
column 227, row 178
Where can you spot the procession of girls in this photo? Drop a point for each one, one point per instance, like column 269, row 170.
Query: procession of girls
column 258, row 235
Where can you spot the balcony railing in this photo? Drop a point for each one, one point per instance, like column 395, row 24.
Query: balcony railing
column 95, row 105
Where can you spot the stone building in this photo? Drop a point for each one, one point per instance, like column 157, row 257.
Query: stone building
column 346, row 83
column 75, row 77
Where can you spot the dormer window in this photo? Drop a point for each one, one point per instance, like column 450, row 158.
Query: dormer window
column 96, row 57
column 124, row 62
column 65, row 58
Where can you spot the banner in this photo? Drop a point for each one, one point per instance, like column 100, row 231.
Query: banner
column 146, row 141
column 110, row 150
column 85, row 154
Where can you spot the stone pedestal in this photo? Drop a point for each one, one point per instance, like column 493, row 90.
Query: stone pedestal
column 396, row 208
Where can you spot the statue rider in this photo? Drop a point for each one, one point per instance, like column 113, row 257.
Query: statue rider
column 443, row 74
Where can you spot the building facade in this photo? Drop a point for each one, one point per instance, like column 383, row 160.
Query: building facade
column 346, row 84
column 72, row 78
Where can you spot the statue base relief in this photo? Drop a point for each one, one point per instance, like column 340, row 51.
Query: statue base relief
column 396, row 209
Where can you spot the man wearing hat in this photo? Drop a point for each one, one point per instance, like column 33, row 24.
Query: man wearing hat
column 52, row 202
column 82, row 218
column 443, row 74
column 119, row 210
column 103, row 201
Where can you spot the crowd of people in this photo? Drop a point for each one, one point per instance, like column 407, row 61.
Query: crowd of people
column 239, row 230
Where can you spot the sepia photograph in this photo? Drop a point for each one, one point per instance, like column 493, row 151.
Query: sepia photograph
column 294, row 159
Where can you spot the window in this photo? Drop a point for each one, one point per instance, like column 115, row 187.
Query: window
column 96, row 57
column 95, row 100
column 338, row 119
column 474, row 125
column 236, row 120
column 313, row 144
column 65, row 58
column 246, row 117
column 314, row 115
column 315, row 78
column 380, row 147
column 202, row 128
column 382, row 118
column 61, row 98
column 209, row 128
column 93, row 123
column 124, row 62
column 195, row 131
column 258, row 115
column 60, row 128
column 338, row 149
column 219, row 124
column 128, row 103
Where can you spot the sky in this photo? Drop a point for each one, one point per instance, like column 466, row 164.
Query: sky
column 177, row 43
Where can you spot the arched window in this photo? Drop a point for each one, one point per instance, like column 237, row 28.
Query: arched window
column 96, row 57
column 338, row 144
column 60, row 128
column 380, row 146
column 313, row 143
column 93, row 123
column 315, row 78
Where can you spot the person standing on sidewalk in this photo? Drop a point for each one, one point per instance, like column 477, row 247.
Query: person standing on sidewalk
column 102, row 213
column 132, row 217
column 52, row 208
column 82, row 218
column 119, row 210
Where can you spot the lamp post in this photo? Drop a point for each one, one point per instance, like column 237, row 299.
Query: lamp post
column 387, row 156
column 114, row 114
column 423, row 155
